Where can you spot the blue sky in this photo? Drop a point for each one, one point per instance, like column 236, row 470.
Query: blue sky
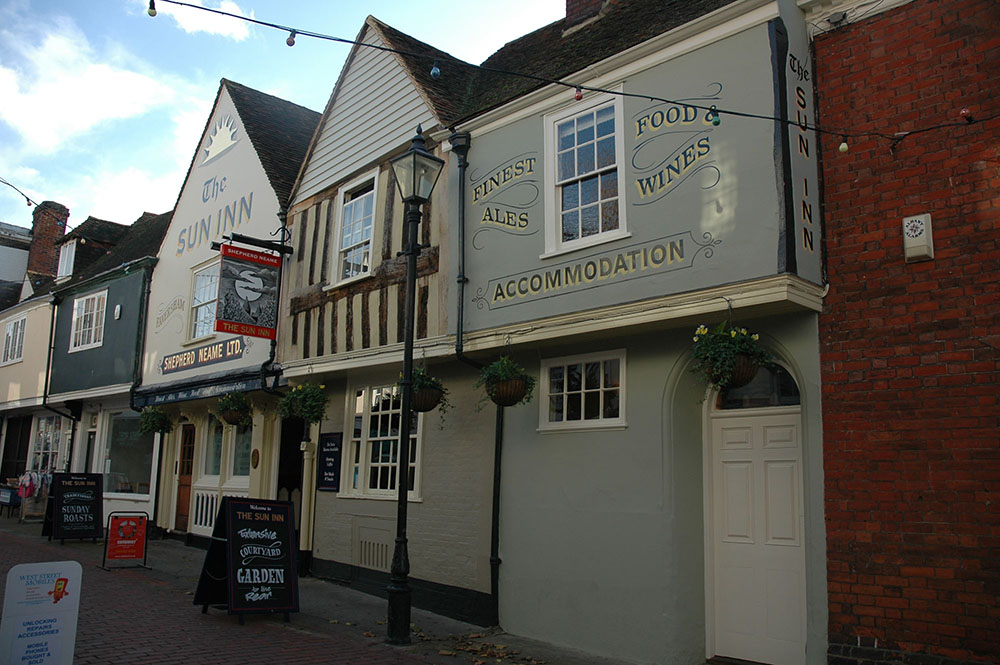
column 102, row 107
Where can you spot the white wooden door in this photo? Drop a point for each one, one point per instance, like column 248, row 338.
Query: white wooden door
column 757, row 524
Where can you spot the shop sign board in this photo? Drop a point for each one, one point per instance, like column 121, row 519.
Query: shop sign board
column 126, row 537
column 76, row 506
column 250, row 564
column 328, row 458
column 40, row 611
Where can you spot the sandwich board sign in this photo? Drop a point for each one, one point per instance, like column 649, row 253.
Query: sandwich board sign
column 41, row 606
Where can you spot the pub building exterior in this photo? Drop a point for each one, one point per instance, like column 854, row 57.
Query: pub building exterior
column 587, row 234
column 238, row 181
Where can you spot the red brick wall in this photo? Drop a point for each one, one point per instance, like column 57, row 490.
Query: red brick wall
column 911, row 402
column 48, row 225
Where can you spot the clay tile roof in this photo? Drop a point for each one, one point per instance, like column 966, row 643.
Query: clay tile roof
column 447, row 93
column 142, row 239
column 98, row 230
column 280, row 132
column 550, row 54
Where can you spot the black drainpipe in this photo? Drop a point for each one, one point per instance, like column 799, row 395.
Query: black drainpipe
column 74, row 418
column 460, row 143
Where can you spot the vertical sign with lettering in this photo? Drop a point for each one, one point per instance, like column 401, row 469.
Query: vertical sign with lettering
column 328, row 457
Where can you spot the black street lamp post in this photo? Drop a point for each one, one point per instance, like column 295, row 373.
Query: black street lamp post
column 416, row 174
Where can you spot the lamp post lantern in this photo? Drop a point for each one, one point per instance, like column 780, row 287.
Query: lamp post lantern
column 416, row 173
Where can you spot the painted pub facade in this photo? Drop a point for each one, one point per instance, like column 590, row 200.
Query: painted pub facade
column 187, row 364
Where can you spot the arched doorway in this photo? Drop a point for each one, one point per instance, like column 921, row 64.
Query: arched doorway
column 755, row 522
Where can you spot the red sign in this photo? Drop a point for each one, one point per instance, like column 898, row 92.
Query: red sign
column 127, row 537
column 248, row 292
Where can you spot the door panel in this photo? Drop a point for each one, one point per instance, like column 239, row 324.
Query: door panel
column 757, row 524
column 185, row 468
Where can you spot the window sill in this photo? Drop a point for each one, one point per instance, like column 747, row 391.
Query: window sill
column 12, row 362
column 601, row 239
column 346, row 282
column 379, row 497
column 198, row 340
column 85, row 348
column 596, row 427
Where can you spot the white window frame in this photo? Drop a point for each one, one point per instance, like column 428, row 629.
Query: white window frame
column 336, row 270
column 544, row 389
column 96, row 329
column 357, row 456
column 13, row 340
column 194, row 307
column 554, row 245
column 67, row 257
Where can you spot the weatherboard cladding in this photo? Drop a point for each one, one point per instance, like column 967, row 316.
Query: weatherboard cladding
column 280, row 132
column 375, row 110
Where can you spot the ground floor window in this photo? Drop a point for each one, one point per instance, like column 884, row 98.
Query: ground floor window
column 46, row 444
column 128, row 462
column 374, row 449
column 241, row 451
column 580, row 392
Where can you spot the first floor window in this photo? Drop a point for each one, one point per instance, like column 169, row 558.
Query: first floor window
column 204, row 294
column 13, row 340
column 128, row 461
column 357, row 215
column 583, row 391
column 88, row 321
column 67, row 254
column 584, row 146
column 374, row 451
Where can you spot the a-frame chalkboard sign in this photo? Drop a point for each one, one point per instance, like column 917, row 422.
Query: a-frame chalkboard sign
column 75, row 508
column 250, row 564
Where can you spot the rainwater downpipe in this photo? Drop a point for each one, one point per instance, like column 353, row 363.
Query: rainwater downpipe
column 45, row 386
column 460, row 144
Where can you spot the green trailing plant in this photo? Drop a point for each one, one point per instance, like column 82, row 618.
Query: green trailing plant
column 235, row 408
column 506, row 383
column 307, row 402
column 428, row 392
column 153, row 419
column 727, row 355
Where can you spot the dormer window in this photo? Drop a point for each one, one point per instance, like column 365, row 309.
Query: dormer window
column 66, row 255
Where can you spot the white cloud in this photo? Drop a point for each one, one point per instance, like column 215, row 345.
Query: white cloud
column 198, row 20
column 63, row 89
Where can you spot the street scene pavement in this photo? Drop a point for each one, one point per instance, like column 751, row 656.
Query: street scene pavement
column 147, row 616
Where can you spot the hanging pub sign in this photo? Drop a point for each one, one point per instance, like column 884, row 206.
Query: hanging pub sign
column 250, row 564
column 329, row 453
column 76, row 506
column 248, row 292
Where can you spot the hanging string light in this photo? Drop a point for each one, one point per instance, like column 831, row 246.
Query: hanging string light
column 152, row 8
column 843, row 147
column 714, row 113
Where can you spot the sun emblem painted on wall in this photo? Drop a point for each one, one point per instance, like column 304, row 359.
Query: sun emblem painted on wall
column 222, row 138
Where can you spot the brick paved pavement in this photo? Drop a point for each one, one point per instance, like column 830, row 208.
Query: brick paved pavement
column 140, row 616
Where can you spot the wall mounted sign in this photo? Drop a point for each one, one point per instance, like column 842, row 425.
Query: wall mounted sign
column 248, row 292
column 210, row 354
column 41, row 606
column 76, row 507
column 250, row 564
column 329, row 453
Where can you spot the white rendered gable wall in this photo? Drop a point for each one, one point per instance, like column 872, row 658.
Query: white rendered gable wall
column 377, row 109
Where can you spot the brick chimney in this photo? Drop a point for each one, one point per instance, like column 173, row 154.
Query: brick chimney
column 578, row 11
column 48, row 225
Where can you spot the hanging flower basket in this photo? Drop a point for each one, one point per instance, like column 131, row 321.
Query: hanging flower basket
column 727, row 356
column 235, row 409
column 306, row 402
column 428, row 392
column 506, row 383
column 153, row 420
